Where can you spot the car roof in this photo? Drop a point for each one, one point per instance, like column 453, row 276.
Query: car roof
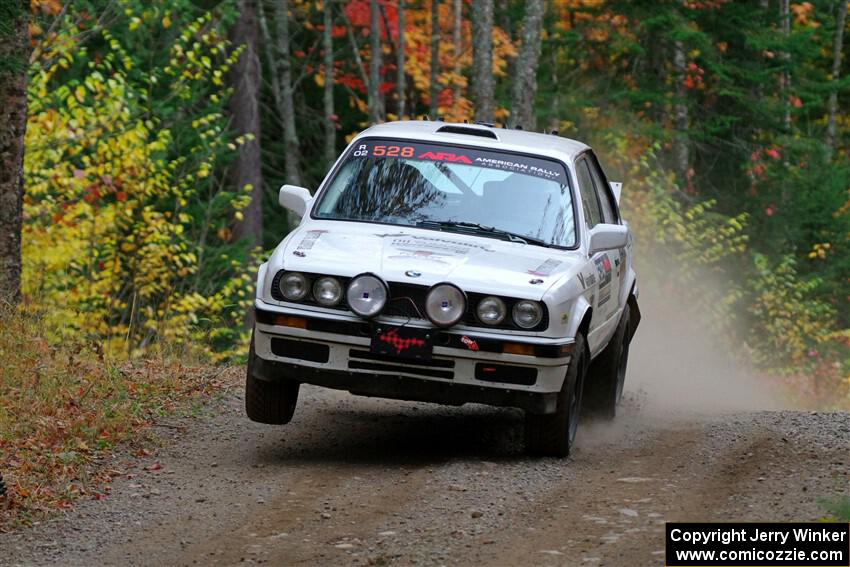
column 479, row 135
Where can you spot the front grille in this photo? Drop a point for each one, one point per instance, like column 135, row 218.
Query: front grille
column 408, row 300
column 403, row 296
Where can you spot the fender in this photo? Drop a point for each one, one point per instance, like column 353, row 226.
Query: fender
column 581, row 307
column 261, row 280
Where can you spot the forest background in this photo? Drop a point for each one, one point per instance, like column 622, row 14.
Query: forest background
column 142, row 145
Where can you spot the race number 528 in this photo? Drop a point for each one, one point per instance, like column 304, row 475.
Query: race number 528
column 392, row 151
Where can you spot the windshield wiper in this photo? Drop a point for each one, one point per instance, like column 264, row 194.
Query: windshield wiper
column 478, row 227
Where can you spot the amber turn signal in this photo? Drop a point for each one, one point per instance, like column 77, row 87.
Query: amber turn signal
column 518, row 348
column 287, row 321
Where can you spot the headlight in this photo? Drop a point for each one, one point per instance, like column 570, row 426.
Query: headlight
column 491, row 311
column 445, row 305
column 294, row 286
column 366, row 295
column 527, row 314
column 327, row 291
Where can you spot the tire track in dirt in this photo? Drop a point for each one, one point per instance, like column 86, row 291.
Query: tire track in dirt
column 363, row 482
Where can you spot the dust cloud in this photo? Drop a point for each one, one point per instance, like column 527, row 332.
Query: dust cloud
column 676, row 364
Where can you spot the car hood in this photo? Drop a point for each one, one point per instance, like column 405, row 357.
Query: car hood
column 424, row 257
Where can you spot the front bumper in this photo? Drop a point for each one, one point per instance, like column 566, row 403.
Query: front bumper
column 333, row 350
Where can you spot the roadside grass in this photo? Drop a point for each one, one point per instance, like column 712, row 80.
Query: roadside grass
column 65, row 407
column 838, row 508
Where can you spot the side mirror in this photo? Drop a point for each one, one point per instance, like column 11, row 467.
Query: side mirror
column 616, row 189
column 295, row 199
column 608, row 237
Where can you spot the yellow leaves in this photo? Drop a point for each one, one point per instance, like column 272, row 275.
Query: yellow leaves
column 110, row 235
column 819, row 251
column 166, row 20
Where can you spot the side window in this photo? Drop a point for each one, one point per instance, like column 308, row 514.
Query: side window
column 603, row 190
column 589, row 203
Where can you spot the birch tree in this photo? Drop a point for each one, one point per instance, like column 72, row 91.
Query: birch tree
column 525, row 76
column 483, row 84
column 401, row 80
column 375, row 104
column 680, row 113
column 245, row 120
column 837, row 48
column 14, row 53
column 457, row 42
column 435, row 58
column 286, row 108
column 330, row 115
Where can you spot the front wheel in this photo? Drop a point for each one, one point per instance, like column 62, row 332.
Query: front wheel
column 552, row 435
column 269, row 401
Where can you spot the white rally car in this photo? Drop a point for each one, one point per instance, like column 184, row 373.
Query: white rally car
column 452, row 263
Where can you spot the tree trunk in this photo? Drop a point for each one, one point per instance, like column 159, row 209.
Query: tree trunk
column 401, row 79
column 785, row 77
column 375, row 106
column 245, row 120
column 525, row 76
column 458, row 47
column 483, row 84
column 14, row 55
column 680, row 114
column 330, row 115
column 837, row 48
column 291, row 145
column 435, row 58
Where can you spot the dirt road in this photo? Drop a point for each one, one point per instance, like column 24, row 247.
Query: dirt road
column 356, row 481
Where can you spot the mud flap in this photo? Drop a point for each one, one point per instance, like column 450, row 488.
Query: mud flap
column 634, row 316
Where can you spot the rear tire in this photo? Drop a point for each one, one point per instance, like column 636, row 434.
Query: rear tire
column 607, row 375
column 269, row 401
column 552, row 435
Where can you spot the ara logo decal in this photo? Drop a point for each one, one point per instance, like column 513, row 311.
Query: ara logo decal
column 446, row 156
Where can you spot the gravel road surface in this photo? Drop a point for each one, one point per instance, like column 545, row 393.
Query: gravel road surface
column 358, row 481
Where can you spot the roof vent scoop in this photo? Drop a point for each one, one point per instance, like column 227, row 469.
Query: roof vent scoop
column 458, row 129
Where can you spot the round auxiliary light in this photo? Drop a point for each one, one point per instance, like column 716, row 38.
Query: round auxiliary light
column 527, row 314
column 366, row 295
column 491, row 310
column 445, row 304
column 327, row 291
column 294, row 286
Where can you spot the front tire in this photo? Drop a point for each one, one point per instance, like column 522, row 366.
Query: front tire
column 608, row 374
column 269, row 401
column 552, row 435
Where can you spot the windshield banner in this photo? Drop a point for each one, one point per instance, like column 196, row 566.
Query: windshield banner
column 515, row 163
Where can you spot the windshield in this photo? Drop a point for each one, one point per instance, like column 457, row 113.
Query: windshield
column 453, row 187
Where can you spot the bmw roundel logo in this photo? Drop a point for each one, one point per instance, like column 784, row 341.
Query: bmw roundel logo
column 412, row 273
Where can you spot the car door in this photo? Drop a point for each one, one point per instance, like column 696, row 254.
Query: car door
column 610, row 215
column 604, row 299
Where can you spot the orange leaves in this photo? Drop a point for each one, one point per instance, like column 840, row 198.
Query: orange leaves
column 803, row 13
column 45, row 7
column 693, row 76
column 62, row 408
